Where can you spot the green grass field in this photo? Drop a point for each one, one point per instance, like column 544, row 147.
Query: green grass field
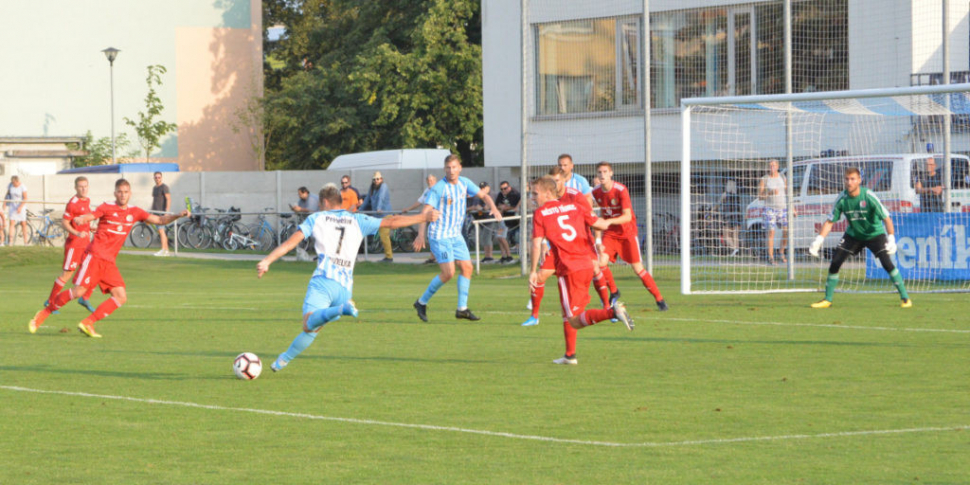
column 721, row 389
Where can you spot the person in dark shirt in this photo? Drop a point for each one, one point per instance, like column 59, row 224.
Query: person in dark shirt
column 929, row 186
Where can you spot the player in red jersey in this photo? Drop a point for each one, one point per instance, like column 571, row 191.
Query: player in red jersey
column 621, row 238
column 601, row 281
column 98, row 264
column 78, row 238
column 565, row 224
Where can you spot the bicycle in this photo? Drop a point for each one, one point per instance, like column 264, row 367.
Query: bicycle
column 49, row 231
column 257, row 237
column 144, row 234
column 290, row 227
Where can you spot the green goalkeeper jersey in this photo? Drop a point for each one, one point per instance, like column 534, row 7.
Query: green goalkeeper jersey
column 863, row 212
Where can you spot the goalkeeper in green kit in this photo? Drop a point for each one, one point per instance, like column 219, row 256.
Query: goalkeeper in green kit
column 869, row 226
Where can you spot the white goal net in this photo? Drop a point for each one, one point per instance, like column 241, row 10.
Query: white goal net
column 747, row 229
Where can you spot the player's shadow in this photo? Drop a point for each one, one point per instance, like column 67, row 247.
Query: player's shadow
column 160, row 376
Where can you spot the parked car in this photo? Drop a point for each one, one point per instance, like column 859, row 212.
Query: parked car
column 817, row 182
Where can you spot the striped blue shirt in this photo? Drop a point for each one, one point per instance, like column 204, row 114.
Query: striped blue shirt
column 337, row 236
column 451, row 200
column 579, row 183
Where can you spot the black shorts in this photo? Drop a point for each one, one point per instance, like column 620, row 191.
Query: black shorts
column 854, row 246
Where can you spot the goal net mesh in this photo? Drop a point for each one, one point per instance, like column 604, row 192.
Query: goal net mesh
column 744, row 222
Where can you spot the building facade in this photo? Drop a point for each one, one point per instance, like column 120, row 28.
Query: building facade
column 583, row 65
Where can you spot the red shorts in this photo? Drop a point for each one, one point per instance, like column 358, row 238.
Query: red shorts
column 628, row 249
column 72, row 257
column 574, row 292
column 96, row 271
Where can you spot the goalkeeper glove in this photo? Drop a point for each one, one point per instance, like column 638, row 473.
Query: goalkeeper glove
column 816, row 246
column 891, row 244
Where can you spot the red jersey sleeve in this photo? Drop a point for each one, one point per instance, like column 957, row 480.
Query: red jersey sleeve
column 625, row 200
column 139, row 214
column 99, row 212
column 537, row 229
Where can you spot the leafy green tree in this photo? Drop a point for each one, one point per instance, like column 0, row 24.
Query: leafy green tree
column 99, row 151
column 362, row 76
column 149, row 130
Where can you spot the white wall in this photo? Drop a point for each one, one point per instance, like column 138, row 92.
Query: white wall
column 888, row 41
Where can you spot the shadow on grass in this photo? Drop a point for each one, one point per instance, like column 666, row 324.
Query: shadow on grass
column 159, row 376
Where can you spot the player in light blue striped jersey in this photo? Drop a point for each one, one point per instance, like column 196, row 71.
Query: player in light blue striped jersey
column 337, row 235
column 574, row 180
column 450, row 196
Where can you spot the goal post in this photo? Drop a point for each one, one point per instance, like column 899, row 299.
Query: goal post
column 731, row 202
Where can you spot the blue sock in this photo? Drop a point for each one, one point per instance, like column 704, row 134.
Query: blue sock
column 300, row 343
column 463, row 285
column 433, row 288
column 324, row 316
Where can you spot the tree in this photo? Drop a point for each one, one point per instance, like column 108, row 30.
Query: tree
column 148, row 130
column 99, row 151
column 385, row 75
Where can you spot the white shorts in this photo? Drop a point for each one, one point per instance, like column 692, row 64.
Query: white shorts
column 14, row 215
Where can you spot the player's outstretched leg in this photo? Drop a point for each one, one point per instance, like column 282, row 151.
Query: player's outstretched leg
column 62, row 299
column 299, row 344
column 106, row 308
column 535, row 293
column 312, row 324
column 421, row 305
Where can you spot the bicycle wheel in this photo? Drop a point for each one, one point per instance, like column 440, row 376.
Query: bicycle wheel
column 141, row 235
column 199, row 237
column 403, row 239
column 230, row 240
column 375, row 246
column 54, row 233
column 263, row 237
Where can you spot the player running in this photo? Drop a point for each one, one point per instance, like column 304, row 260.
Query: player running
column 450, row 196
column 601, row 281
column 564, row 225
column 337, row 235
column 97, row 266
column 78, row 238
column 869, row 226
column 621, row 238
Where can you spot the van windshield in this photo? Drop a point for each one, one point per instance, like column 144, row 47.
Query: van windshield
column 829, row 177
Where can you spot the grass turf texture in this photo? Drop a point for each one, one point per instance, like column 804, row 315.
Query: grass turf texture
column 712, row 370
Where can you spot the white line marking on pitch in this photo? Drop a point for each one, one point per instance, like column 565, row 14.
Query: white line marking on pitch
column 500, row 434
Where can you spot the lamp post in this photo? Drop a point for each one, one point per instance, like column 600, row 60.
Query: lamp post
column 111, row 53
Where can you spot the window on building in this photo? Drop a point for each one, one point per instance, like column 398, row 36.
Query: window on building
column 739, row 50
column 588, row 66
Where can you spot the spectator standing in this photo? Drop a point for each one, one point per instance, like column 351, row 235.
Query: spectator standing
column 929, row 186
column 307, row 203
column 378, row 201
column 507, row 201
column 161, row 203
column 349, row 197
column 17, row 208
column 732, row 216
column 772, row 189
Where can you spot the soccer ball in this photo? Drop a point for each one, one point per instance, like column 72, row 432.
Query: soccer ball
column 247, row 366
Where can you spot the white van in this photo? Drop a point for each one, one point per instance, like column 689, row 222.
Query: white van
column 431, row 158
column 817, row 182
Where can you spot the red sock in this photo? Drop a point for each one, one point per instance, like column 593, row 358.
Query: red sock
column 58, row 286
column 60, row 300
column 537, row 292
column 602, row 289
column 570, row 333
column 596, row 315
column 609, row 278
column 650, row 285
column 103, row 310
